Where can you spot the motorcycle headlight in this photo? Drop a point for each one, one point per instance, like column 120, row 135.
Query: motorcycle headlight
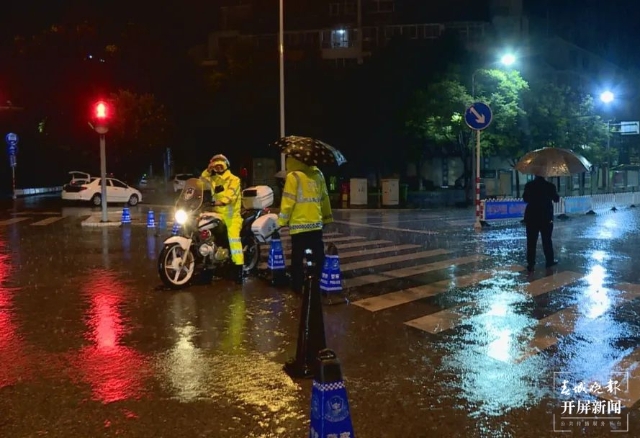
column 181, row 217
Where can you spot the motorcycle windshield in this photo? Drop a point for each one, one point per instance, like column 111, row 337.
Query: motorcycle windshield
column 191, row 196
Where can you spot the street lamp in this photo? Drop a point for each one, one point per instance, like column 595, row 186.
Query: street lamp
column 281, row 56
column 506, row 60
column 607, row 97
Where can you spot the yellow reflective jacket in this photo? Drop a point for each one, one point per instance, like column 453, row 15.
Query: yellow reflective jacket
column 227, row 189
column 305, row 202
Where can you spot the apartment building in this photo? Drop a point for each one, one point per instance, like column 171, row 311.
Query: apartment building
column 348, row 31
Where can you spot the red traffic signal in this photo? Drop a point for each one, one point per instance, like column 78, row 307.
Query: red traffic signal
column 101, row 111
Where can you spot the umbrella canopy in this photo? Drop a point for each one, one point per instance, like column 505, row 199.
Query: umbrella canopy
column 310, row 151
column 549, row 162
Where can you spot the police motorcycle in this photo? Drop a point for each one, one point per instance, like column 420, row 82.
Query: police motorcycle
column 202, row 244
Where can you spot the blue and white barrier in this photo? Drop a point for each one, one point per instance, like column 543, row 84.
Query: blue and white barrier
column 505, row 209
column 38, row 191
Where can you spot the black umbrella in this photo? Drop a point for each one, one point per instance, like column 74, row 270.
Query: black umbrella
column 310, row 151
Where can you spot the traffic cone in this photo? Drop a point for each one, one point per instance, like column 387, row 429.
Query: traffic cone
column 330, row 413
column 162, row 223
column 311, row 338
column 331, row 278
column 126, row 216
column 175, row 229
column 276, row 263
column 163, row 220
column 151, row 220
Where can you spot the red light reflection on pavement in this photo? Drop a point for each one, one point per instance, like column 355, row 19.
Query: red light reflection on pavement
column 14, row 360
column 114, row 371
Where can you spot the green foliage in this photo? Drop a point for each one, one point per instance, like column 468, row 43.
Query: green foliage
column 561, row 117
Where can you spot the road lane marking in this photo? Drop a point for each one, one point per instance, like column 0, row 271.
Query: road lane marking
column 39, row 213
column 629, row 366
column 406, row 230
column 359, row 244
column 393, row 259
column 381, row 302
column 353, row 254
column 408, row 272
column 562, row 323
column 448, row 319
column 436, row 266
column 14, row 220
column 47, row 221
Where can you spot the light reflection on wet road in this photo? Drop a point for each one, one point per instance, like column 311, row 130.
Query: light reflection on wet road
column 89, row 345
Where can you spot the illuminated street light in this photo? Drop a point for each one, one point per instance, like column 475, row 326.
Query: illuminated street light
column 508, row 59
column 607, row 97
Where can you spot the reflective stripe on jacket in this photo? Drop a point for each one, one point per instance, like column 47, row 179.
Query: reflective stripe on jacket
column 305, row 202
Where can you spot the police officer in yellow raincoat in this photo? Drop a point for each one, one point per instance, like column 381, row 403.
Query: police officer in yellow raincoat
column 226, row 195
column 305, row 209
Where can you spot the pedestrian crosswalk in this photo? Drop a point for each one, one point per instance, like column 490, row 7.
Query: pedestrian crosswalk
column 35, row 220
column 470, row 288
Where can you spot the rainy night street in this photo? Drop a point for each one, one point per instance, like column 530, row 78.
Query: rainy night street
column 445, row 335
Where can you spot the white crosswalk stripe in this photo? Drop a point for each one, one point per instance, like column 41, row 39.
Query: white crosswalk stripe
column 47, row 221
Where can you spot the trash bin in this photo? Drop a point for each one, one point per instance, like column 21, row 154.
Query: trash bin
column 404, row 193
column 358, row 191
column 390, row 192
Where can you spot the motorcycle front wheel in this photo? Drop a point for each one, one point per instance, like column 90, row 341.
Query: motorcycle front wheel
column 176, row 266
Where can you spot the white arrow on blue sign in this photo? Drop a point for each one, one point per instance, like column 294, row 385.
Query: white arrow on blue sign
column 478, row 116
column 11, row 139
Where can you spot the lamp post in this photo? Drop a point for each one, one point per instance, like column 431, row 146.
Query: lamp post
column 607, row 97
column 506, row 60
column 281, row 56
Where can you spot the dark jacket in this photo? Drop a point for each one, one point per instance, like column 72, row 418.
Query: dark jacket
column 539, row 195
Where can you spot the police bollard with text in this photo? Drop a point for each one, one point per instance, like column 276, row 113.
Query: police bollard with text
column 330, row 412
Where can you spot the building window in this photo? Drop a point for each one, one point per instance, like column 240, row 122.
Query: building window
column 382, row 6
column 350, row 8
column 339, row 38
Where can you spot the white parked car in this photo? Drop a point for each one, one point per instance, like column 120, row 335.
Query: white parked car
column 88, row 188
column 179, row 180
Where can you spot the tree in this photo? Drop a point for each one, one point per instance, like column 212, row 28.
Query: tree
column 140, row 131
column 559, row 116
column 435, row 117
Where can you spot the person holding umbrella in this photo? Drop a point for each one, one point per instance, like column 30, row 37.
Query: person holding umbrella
column 305, row 206
column 539, row 195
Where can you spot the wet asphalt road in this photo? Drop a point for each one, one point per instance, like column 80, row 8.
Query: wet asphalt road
column 445, row 335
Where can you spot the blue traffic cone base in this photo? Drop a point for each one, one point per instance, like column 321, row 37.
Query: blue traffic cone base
column 331, row 278
column 330, row 411
column 151, row 221
column 276, row 262
column 126, row 216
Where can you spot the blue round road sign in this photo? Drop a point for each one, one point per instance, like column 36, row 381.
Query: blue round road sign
column 478, row 116
column 11, row 139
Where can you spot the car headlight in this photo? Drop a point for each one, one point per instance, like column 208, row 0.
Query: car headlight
column 181, row 217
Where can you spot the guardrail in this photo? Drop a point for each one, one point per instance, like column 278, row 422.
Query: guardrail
column 505, row 209
column 38, row 191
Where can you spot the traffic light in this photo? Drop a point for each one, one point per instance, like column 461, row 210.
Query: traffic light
column 100, row 116
column 101, row 111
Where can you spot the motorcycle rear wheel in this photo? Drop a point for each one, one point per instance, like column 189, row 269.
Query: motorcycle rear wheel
column 168, row 265
column 251, row 249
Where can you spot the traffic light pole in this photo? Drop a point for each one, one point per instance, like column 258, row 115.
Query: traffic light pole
column 103, row 177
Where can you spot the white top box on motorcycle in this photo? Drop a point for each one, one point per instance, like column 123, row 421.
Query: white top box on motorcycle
column 257, row 197
column 264, row 226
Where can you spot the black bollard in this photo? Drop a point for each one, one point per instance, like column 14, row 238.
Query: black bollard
column 311, row 338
